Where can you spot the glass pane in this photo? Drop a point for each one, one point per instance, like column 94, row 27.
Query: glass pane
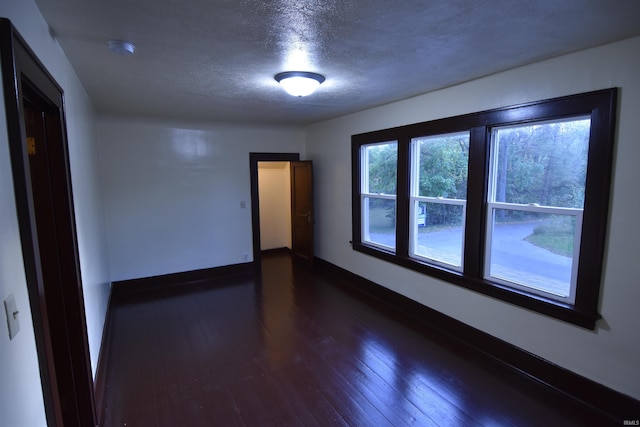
column 442, row 163
column 533, row 249
column 439, row 232
column 381, row 167
column 380, row 221
column 542, row 163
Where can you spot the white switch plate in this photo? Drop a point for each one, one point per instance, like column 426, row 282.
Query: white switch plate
column 12, row 316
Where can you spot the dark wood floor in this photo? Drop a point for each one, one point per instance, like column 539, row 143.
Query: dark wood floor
column 290, row 348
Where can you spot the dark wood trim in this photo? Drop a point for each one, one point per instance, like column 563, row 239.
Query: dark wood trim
column 596, row 203
column 254, row 158
column 403, row 204
column 476, row 195
column 55, row 287
column 599, row 397
column 356, row 202
column 124, row 288
column 600, row 105
column 101, row 369
column 26, row 220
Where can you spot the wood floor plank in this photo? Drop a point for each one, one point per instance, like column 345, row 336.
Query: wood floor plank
column 287, row 348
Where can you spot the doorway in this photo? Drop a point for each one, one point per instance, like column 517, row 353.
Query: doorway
column 255, row 159
column 302, row 213
column 274, row 193
column 44, row 202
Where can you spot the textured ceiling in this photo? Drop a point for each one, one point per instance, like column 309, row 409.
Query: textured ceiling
column 214, row 60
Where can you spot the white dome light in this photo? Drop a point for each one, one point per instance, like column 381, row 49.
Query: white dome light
column 299, row 83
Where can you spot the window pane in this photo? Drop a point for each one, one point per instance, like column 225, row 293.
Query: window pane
column 441, row 163
column 543, row 163
column 533, row 249
column 438, row 231
column 439, row 168
column 381, row 167
column 379, row 219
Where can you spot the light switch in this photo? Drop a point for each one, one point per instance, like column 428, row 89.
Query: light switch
column 12, row 316
column 243, row 204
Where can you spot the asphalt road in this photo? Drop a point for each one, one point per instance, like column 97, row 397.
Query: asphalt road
column 512, row 257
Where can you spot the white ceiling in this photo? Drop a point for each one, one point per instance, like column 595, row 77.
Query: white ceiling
column 214, row 60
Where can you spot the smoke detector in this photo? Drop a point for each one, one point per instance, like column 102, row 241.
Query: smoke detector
column 121, row 47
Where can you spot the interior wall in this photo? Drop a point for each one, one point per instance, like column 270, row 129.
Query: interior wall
column 21, row 401
column 609, row 355
column 174, row 192
column 274, row 192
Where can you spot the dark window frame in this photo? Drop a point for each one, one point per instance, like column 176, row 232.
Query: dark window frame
column 599, row 105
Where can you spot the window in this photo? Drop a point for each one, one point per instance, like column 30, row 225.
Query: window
column 438, row 198
column 510, row 202
column 378, row 194
column 536, row 199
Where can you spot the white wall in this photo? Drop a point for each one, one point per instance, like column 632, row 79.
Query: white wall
column 21, row 401
column 274, row 185
column 173, row 192
column 608, row 355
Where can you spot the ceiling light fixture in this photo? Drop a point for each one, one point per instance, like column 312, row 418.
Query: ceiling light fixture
column 299, row 83
column 121, row 47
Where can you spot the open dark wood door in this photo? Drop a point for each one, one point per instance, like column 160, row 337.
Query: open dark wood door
column 302, row 217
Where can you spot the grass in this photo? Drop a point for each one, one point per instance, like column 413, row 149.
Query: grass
column 560, row 244
column 434, row 228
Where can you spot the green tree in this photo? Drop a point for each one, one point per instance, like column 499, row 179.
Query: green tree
column 383, row 171
column 443, row 166
column 383, row 168
column 543, row 164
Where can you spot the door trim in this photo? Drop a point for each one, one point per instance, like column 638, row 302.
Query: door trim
column 68, row 398
column 254, row 158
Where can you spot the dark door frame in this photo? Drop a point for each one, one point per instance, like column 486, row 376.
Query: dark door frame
column 254, row 158
column 60, row 329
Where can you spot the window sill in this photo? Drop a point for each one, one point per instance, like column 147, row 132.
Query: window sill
column 539, row 304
